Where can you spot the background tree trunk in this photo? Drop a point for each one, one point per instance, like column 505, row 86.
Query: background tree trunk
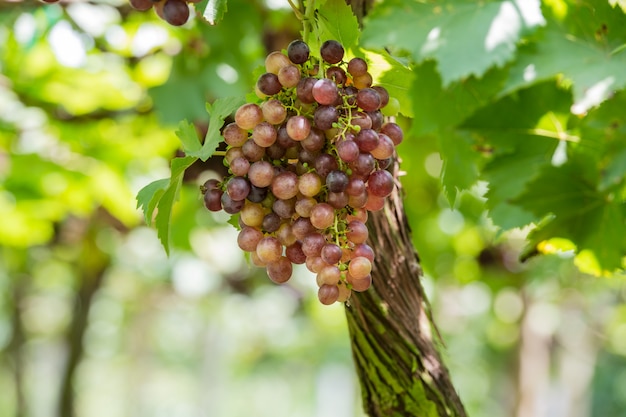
column 396, row 355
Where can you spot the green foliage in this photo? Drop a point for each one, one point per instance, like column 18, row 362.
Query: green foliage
column 527, row 98
column 464, row 37
column 214, row 11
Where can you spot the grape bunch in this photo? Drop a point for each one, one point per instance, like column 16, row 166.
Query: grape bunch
column 306, row 163
column 174, row 12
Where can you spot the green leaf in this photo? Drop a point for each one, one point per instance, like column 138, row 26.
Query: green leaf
column 148, row 197
column 464, row 37
column 460, row 169
column 435, row 107
column 579, row 213
column 519, row 135
column 221, row 108
column 189, row 137
column 585, row 48
column 214, row 11
column 167, row 199
column 336, row 21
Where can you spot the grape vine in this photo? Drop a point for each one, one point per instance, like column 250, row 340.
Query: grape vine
column 306, row 165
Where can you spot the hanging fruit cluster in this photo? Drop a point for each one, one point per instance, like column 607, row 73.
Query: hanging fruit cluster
column 305, row 167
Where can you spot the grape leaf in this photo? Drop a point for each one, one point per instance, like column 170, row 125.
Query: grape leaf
column 587, row 48
column 148, row 198
column 519, row 134
column 336, row 21
column 436, row 107
column 577, row 211
column 189, row 137
column 214, row 11
column 162, row 195
column 464, row 37
column 221, row 108
column 460, row 169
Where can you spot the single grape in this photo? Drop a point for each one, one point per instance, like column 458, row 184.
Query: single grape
column 356, row 232
column 269, row 84
column 252, row 151
column 328, row 294
column 233, row 134
column 325, row 91
column 301, row 227
column 348, row 150
column 338, row 200
column 328, row 275
column 312, row 244
column 269, row 249
column 356, row 186
column 273, row 111
column 367, row 140
column 331, row 253
column 380, row 183
column 294, row 253
column 374, row 203
column 315, row 141
column 384, row 149
column 359, row 267
column 248, row 116
column 238, row 188
column 285, row 185
column 368, row 99
column 325, row 116
column 298, row 52
column 213, row 200
column 325, row 163
column 289, row 76
column 336, row 181
column 310, row 184
column 252, row 214
column 176, row 12
column 304, row 206
column 248, row 238
column 284, row 208
column 298, row 128
column 357, row 66
column 271, row 222
column 240, row 166
column 279, row 271
column 363, row 165
column 285, row 234
column 322, row 216
column 331, row 51
column 264, row 134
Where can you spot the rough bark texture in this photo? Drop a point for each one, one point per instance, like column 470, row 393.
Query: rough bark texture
column 396, row 354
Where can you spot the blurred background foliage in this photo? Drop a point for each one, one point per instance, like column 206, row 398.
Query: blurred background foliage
column 95, row 320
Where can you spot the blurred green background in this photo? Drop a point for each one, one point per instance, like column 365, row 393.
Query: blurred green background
column 96, row 321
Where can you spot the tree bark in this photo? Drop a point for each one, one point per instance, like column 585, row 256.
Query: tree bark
column 395, row 352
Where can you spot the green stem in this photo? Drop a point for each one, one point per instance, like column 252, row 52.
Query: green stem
column 309, row 19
